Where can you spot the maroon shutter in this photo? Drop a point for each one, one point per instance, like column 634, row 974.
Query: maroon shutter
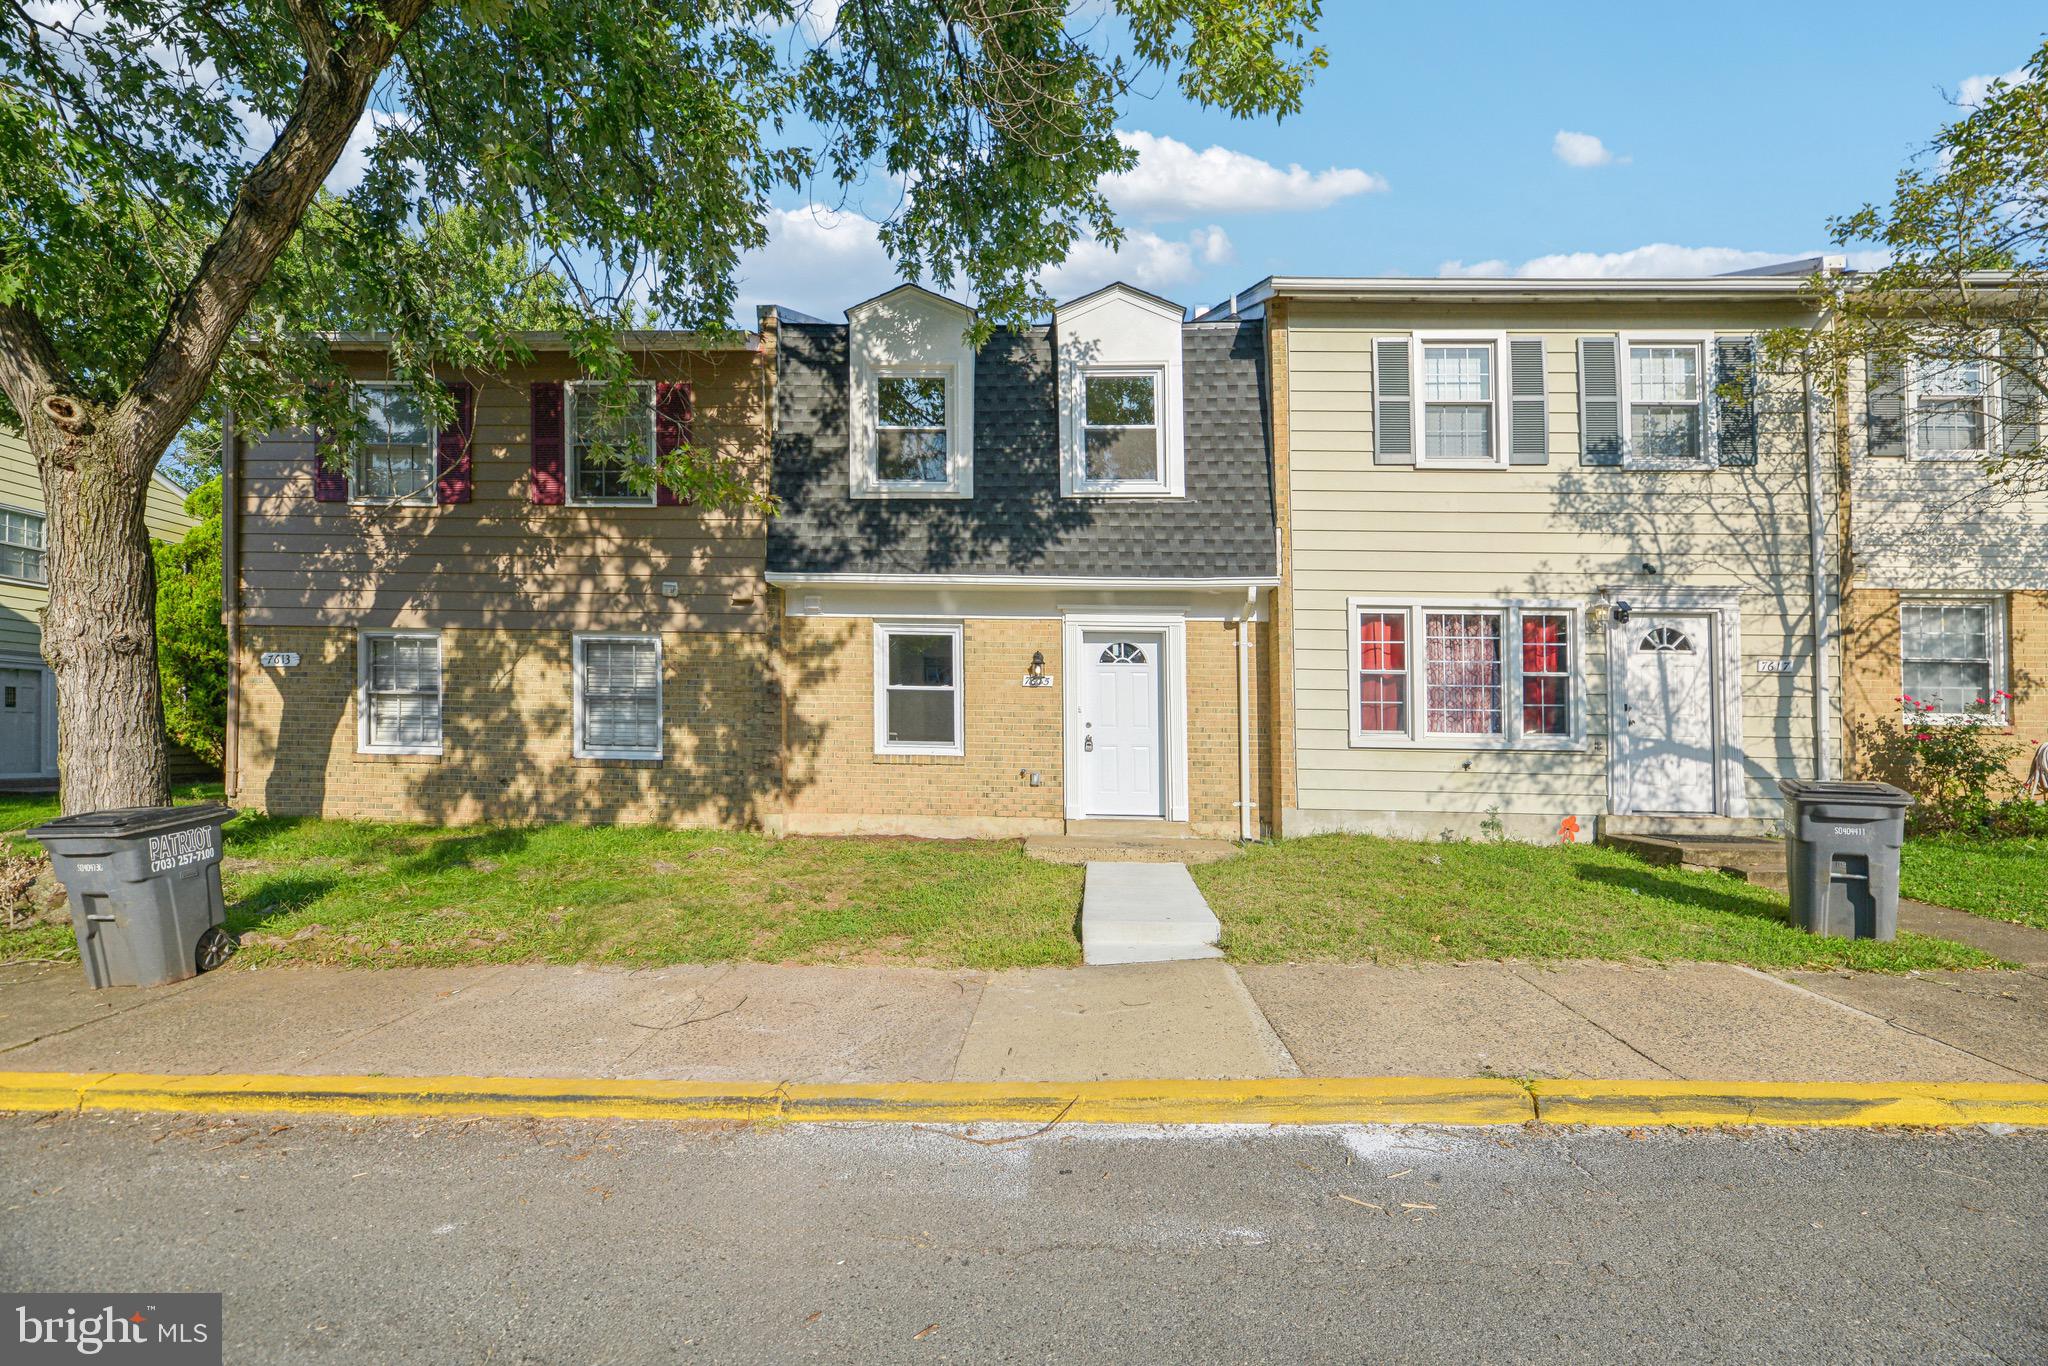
column 671, row 430
column 452, row 472
column 546, row 437
column 329, row 485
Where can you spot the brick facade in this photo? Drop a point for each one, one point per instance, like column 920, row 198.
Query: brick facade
column 507, row 718
column 1872, row 680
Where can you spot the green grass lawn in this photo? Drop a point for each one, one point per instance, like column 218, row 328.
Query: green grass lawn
column 2001, row 879
column 369, row 895
column 1350, row 898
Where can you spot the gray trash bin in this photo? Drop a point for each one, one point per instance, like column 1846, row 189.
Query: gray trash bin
column 1842, row 855
column 144, row 885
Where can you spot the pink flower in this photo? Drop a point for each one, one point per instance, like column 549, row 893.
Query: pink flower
column 1923, row 735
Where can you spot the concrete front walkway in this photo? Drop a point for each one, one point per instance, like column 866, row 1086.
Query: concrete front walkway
column 754, row 1022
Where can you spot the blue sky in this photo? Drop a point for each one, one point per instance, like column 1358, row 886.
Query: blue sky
column 1431, row 144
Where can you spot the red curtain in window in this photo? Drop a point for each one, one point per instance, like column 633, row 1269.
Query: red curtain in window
column 1546, row 675
column 1383, row 672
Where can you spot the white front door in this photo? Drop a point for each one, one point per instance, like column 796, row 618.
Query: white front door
column 21, row 722
column 1122, row 759
column 1668, row 714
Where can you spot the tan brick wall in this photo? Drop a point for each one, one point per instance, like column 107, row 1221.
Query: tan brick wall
column 507, row 718
column 836, row 782
column 1872, row 681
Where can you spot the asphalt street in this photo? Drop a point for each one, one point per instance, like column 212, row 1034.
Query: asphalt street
column 446, row 1241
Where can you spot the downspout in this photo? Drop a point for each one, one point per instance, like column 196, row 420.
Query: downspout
column 230, row 584
column 1816, row 559
column 1246, row 828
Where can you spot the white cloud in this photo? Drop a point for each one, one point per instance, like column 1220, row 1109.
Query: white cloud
column 1972, row 91
column 819, row 18
column 1174, row 181
column 817, row 261
column 1662, row 259
column 1145, row 259
column 1583, row 150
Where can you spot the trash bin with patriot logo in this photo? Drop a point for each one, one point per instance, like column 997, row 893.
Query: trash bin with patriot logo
column 144, row 885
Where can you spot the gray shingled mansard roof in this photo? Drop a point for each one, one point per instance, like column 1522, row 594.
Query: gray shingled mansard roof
column 1016, row 523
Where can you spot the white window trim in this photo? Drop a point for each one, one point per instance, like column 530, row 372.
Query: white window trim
column 427, row 496
column 872, row 484
column 2000, row 716
column 1630, row 459
column 363, row 744
column 43, row 582
column 1161, row 487
column 1992, row 399
column 884, row 630
column 569, row 392
column 1511, row 737
column 583, row 751
column 1496, row 379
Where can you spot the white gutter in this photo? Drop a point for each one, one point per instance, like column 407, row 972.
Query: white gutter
column 1247, row 830
column 1816, row 564
column 1397, row 288
column 783, row 579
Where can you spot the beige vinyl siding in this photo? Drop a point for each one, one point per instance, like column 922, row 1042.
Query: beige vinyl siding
column 21, row 488
column 1554, row 532
column 1919, row 524
column 499, row 560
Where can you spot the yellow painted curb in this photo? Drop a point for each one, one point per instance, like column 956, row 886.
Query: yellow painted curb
column 1281, row 1100
column 1633, row 1104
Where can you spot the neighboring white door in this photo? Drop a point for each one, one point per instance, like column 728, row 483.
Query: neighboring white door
column 1122, row 759
column 21, row 722
column 1668, row 710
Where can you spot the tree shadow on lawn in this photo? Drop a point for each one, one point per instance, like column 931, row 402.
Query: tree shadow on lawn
column 463, row 851
column 1649, row 884
column 276, row 896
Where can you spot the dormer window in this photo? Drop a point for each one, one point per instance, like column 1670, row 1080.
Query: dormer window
column 910, row 431
column 1120, row 433
column 1119, row 354
column 910, row 387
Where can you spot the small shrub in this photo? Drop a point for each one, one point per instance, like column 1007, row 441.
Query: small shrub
column 1962, row 774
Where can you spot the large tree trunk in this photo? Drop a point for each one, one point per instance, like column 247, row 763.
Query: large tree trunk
column 99, row 631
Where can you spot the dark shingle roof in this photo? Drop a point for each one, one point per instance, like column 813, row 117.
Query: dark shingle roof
column 1017, row 523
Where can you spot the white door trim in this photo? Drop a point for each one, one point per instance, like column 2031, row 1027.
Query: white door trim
column 1724, row 606
column 1173, row 672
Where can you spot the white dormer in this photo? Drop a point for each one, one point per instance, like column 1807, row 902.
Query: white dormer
column 910, row 396
column 1120, row 395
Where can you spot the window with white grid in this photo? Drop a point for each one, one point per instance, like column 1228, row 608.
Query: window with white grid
column 1462, row 673
column 610, row 443
column 1951, row 655
column 400, row 700
column 618, row 697
column 395, row 463
column 1666, row 408
column 1457, row 403
column 21, row 546
column 1951, row 416
column 1470, row 675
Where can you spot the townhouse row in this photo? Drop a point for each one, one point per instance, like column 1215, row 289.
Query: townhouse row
column 1420, row 557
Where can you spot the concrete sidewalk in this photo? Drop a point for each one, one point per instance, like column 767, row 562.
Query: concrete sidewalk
column 753, row 1022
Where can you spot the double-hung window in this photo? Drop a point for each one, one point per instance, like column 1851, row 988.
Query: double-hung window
column 398, row 706
column 1952, row 409
column 911, row 425
column 395, row 463
column 618, row 697
column 1458, row 403
column 1952, row 655
column 21, row 546
column 1465, row 675
column 611, row 445
column 917, row 688
column 1665, row 387
column 1120, row 437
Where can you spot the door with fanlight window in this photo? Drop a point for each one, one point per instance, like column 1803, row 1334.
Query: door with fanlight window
column 1669, row 741
column 1122, row 750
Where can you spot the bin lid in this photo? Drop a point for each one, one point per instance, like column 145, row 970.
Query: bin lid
column 1867, row 794
column 132, row 820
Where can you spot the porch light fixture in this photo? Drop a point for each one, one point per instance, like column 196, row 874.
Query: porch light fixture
column 1598, row 614
column 1038, row 663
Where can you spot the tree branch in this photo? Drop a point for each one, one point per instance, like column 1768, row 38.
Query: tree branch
column 29, row 364
column 316, row 31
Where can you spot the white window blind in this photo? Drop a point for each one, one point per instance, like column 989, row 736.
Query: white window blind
column 402, row 693
column 620, row 683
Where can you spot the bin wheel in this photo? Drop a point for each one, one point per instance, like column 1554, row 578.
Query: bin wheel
column 216, row 946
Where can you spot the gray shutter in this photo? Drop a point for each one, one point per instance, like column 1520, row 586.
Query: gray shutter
column 1735, row 400
column 1884, row 407
column 2020, row 405
column 1393, row 411
column 1599, row 401
column 1528, row 420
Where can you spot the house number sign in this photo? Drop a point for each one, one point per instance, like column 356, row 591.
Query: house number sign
column 1777, row 666
column 279, row 659
column 1038, row 680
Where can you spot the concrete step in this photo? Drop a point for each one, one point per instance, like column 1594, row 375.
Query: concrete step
column 1075, row 849
column 1756, row 860
column 1105, row 828
column 1145, row 913
column 1703, row 827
